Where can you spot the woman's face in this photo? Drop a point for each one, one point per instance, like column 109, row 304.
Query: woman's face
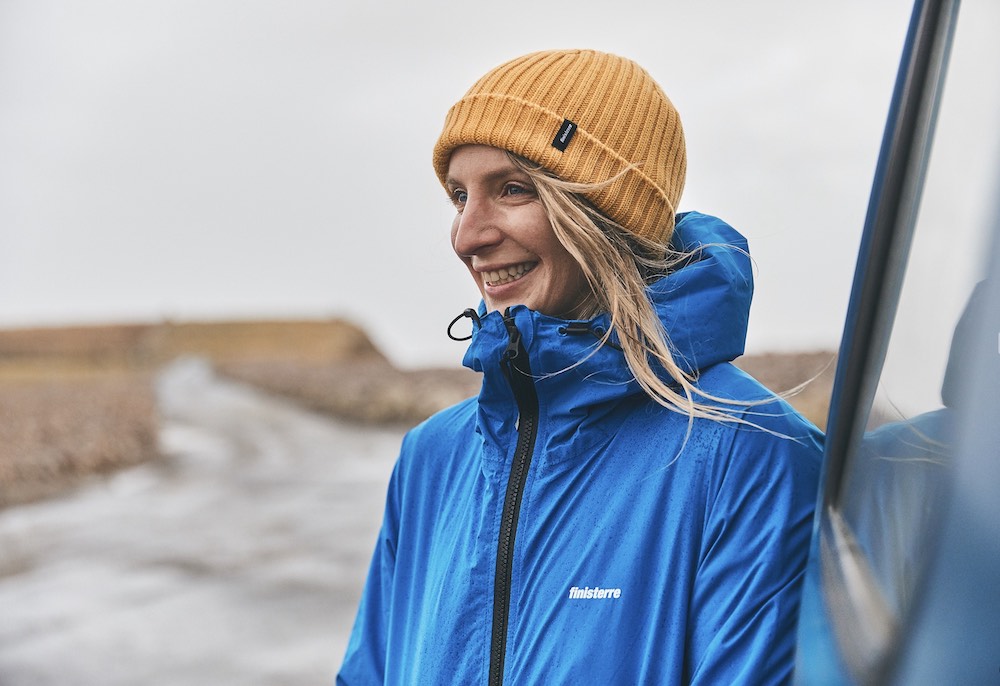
column 503, row 235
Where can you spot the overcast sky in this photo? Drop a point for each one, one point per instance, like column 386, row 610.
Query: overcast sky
column 242, row 158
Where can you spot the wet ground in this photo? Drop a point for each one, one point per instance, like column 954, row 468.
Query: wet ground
column 238, row 559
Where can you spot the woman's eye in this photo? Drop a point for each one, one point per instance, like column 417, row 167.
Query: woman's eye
column 518, row 189
column 458, row 197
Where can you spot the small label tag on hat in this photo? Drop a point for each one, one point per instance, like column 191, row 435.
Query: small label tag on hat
column 564, row 135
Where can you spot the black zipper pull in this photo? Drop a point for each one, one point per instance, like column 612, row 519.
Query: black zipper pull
column 513, row 337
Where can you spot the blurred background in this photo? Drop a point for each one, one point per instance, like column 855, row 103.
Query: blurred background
column 225, row 278
column 248, row 158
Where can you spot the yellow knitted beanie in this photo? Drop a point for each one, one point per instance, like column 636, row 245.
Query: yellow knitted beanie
column 585, row 116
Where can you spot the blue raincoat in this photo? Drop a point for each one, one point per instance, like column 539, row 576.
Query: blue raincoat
column 562, row 528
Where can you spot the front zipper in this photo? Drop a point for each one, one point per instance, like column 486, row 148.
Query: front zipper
column 515, row 367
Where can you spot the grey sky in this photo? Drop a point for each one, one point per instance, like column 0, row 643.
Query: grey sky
column 234, row 158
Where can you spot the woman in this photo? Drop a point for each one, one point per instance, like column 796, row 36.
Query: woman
column 619, row 505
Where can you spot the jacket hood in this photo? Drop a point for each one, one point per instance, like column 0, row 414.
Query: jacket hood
column 704, row 307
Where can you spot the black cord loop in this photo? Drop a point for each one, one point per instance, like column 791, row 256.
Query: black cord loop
column 471, row 314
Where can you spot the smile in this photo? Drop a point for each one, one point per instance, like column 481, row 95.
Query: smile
column 507, row 275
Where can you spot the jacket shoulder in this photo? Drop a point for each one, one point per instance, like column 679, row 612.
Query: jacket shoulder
column 440, row 436
column 451, row 421
column 754, row 403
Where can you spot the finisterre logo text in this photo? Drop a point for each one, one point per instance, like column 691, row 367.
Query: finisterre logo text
column 595, row 593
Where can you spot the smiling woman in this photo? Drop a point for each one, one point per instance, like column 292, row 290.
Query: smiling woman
column 613, row 442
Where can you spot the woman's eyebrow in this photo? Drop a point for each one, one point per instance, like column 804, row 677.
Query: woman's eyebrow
column 493, row 176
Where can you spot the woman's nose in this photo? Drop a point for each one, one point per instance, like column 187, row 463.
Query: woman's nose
column 475, row 229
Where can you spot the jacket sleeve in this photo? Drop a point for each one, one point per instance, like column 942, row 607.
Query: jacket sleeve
column 754, row 548
column 364, row 661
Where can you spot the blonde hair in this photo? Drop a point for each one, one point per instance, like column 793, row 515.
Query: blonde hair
column 618, row 266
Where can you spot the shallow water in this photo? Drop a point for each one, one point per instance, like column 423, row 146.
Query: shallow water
column 237, row 559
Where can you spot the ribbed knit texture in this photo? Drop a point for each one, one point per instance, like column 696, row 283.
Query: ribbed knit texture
column 624, row 119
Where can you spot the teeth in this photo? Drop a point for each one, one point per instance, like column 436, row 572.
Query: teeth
column 501, row 276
